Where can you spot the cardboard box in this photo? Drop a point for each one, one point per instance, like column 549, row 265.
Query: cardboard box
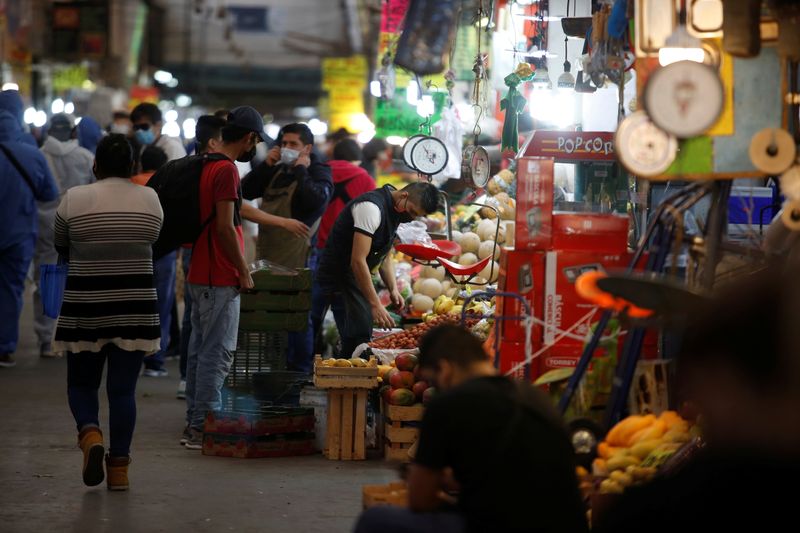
column 513, row 353
column 534, row 222
column 586, row 232
column 521, row 272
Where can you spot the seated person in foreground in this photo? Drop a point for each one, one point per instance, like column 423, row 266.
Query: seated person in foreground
column 503, row 442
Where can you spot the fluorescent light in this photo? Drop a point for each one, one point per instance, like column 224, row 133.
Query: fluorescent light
column 171, row 116
column 57, row 106
column 396, row 140
column 375, row 88
column 171, row 129
column 69, row 108
column 162, row 76
column 40, row 119
column 681, row 46
column 317, row 127
column 426, row 107
column 365, row 136
column 10, row 86
column 361, row 122
column 273, row 130
column 183, row 100
column 29, row 115
column 189, row 128
column 556, row 108
column 412, row 93
column 172, row 83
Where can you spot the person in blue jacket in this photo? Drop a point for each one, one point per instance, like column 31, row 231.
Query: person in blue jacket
column 24, row 179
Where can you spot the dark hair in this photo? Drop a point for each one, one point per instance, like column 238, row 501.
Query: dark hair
column 148, row 111
column 208, row 127
column 306, row 137
column 222, row 113
column 152, row 158
column 338, row 135
column 374, row 147
column 121, row 114
column 347, row 150
column 450, row 343
column 232, row 134
column 114, row 157
column 425, row 195
column 748, row 327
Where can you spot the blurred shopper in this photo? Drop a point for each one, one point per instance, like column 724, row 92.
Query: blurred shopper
column 500, row 445
column 332, row 139
column 71, row 165
column 739, row 366
column 152, row 159
column 349, row 181
column 147, row 122
column 292, row 183
column 218, row 272
column 121, row 123
column 106, row 231
column 376, row 156
column 11, row 104
column 89, row 134
column 360, row 242
column 24, row 179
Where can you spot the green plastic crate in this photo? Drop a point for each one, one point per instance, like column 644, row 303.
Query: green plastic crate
column 269, row 321
column 256, row 351
column 276, row 301
column 267, row 280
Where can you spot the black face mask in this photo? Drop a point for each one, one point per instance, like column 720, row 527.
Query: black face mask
column 247, row 156
column 405, row 217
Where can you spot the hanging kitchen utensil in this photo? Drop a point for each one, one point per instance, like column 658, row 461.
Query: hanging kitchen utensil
column 408, row 147
column 684, row 98
column 741, row 27
column 790, row 215
column 429, row 156
column 772, row 151
column 643, row 148
column 475, row 167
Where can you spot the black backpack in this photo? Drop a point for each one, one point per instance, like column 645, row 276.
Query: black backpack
column 178, row 187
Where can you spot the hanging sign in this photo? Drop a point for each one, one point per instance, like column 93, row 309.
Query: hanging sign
column 571, row 145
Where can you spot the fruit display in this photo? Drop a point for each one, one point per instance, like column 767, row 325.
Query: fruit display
column 637, row 447
column 355, row 362
column 409, row 339
column 401, row 382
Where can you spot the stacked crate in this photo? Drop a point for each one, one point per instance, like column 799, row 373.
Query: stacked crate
column 260, row 432
column 401, row 430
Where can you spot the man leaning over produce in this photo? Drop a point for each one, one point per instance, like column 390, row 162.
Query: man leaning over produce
column 358, row 243
column 497, row 444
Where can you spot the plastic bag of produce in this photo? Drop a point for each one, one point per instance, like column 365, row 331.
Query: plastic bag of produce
column 414, row 233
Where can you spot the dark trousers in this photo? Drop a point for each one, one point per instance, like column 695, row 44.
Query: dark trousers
column 84, row 374
column 386, row 519
column 357, row 327
column 186, row 325
column 14, row 263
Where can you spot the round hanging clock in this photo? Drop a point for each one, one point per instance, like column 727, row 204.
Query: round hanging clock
column 429, row 156
column 408, row 147
column 643, row 148
column 475, row 166
column 684, row 98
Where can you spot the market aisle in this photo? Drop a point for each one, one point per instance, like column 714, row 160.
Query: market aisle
column 173, row 490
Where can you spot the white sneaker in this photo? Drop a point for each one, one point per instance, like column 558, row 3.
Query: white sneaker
column 153, row 373
column 181, row 394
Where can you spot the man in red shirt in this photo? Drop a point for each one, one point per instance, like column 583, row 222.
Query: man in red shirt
column 218, row 272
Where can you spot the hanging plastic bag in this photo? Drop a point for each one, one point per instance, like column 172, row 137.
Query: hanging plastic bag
column 414, row 233
column 52, row 283
column 450, row 131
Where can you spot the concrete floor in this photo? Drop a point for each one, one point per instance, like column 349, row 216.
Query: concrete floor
column 172, row 489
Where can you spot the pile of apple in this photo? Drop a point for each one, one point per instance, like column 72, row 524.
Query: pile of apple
column 402, row 383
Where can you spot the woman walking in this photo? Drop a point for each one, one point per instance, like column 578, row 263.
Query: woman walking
column 109, row 315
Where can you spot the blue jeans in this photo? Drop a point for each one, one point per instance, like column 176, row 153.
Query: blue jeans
column 386, row 519
column 14, row 263
column 186, row 325
column 84, row 374
column 215, row 326
column 164, row 274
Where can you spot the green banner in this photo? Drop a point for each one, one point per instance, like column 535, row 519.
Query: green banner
column 399, row 118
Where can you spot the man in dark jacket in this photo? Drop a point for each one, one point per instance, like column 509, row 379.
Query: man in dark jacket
column 292, row 183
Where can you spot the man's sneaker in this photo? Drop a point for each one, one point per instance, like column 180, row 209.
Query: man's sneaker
column 181, row 394
column 46, row 350
column 155, row 372
column 195, row 440
column 187, row 434
column 6, row 360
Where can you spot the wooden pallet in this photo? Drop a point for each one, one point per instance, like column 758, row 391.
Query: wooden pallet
column 347, row 425
column 391, row 494
column 331, row 377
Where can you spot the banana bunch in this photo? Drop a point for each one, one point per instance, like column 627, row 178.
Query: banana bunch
column 443, row 305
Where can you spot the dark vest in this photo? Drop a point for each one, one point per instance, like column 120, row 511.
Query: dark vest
column 339, row 247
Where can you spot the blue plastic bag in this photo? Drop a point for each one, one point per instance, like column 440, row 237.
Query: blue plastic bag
column 52, row 283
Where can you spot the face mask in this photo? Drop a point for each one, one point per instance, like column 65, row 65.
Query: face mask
column 145, row 136
column 405, row 217
column 247, row 156
column 289, row 156
column 124, row 129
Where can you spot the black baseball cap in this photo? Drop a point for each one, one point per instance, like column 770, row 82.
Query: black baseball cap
column 248, row 118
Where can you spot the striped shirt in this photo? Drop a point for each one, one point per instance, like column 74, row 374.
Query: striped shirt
column 107, row 229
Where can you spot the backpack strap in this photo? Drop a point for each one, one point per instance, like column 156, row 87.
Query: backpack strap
column 340, row 191
column 19, row 168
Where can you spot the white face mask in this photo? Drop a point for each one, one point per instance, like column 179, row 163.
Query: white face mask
column 124, row 129
column 289, row 156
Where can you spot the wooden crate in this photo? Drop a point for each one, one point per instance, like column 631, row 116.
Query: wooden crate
column 400, row 430
column 332, row 377
column 392, row 494
column 267, row 280
column 347, row 425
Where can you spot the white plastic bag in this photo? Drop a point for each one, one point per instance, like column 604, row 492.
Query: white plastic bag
column 450, row 131
column 415, row 232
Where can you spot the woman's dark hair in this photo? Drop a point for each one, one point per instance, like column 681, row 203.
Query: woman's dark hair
column 450, row 343
column 347, row 150
column 425, row 195
column 232, row 134
column 153, row 158
column 374, row 147
column 114, row 157
column 306, row 137
column 148, row 111
column 208, row 127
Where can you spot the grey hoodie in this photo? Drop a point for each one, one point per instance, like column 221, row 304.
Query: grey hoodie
column 71, row 166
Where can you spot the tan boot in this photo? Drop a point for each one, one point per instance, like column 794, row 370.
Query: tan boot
column 117, row 468
column 90, row 441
